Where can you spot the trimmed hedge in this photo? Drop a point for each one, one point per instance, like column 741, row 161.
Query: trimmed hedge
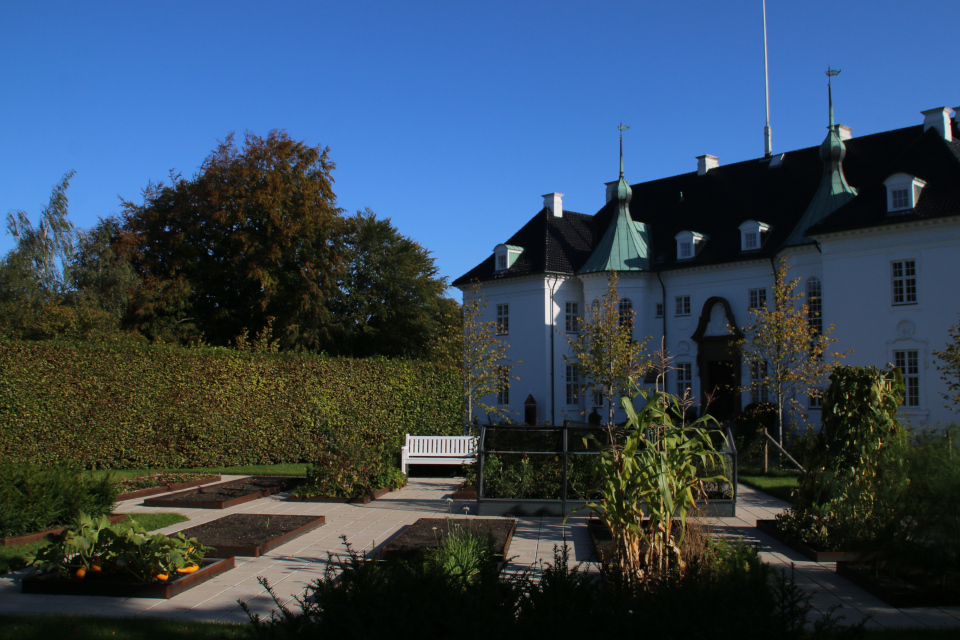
column 157, row 406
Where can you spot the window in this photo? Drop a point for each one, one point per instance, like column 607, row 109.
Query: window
column 572, row 317
column 659, row 309
column 505, row 255
column 684, row 378
column 683, row 306
column 904, row 277
column 502, row 261
column 573, row 384
column 686, row 250
column 900, row 198
column 815, row 400
column 503, row 385
column 815, row 305
column 758, row 381
column 626, row 313
column 752, row 234
column 909, row 364
column 758, row 298
column 688, row 244
column 903, row 191
column 503, row 319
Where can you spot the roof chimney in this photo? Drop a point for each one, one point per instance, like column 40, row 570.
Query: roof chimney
column 706, row 162
column 843, row 131
column 554, row 202
column 939, row 119
column 611, row 189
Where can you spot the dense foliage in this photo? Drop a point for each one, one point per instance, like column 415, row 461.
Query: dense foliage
column 163, row 407
column 36, row 497
column 727, row 593
column 252, row 245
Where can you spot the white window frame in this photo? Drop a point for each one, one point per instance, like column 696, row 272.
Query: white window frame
column 758, row 298
column 903, row 192
column 503, row 385
column 659, row 310
column 903, row 282
column 625, row 313
column 684, row 378
column 752, row 233
column 572, row 386
column 909, row 363
column 505, row 255
column 758, row 388
column 815, row 305
column 503, row 319
column 688, row 244
column 572, row 317
column 682, row 308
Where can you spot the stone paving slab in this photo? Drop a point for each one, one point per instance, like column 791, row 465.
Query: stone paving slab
column 290, row 568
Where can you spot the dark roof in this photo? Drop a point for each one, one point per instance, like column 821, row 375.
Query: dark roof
column 715, row 204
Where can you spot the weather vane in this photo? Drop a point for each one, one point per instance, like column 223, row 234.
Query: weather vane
column 622, row 128
column 831, row 73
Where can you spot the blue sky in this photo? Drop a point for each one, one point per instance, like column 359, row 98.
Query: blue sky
column 450, row 118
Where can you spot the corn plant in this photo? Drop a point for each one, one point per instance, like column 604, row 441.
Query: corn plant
column 652, row 468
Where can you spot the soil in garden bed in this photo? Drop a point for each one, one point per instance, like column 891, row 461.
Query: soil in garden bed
column 426, row 533
column 123, row 585
column 165, row 487
column 603, row 544
column 379, row 493
column 248, row 534
column 816, row 554
column 909, row 588
column 226, row 494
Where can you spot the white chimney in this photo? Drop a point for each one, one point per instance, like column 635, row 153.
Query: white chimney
column 844, row 132
column 706, row 162
column 939, row 119
column 554, row 202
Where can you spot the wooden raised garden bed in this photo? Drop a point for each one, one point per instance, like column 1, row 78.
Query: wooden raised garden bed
column 769, row 527
column 248, row 534
column 166, row 488
column 40, row 535
column 469, row 492
column 911, row 590
column 425, row 533
column 379, row 493
column 119, row 585
column 226, row 494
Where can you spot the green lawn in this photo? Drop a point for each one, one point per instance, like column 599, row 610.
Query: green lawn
column 295, row 469
column 13, row 558
column 778, row 486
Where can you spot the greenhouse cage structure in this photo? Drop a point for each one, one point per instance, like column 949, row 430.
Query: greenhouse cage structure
column 547, row 471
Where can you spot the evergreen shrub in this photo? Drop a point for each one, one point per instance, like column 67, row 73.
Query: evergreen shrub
column 125, row 407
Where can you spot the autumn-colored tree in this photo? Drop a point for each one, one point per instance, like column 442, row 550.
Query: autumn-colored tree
column 485, row 365
column 254, row 234
column 787, row 349
column 604, row 351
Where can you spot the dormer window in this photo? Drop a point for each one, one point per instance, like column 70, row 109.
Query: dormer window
column 688, row 244
column 903, row 191
column 505, row 255
column 752, row 234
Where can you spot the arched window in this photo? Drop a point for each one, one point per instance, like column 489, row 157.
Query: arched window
column 626, row 313
column 815, row 305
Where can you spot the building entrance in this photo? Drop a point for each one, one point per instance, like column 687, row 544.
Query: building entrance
column 718, row 360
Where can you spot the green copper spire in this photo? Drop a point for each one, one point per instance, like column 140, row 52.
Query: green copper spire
column 623, row 246
column 834, row 191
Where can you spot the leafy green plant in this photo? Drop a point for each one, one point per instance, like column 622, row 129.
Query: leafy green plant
column 462, row 554
column 93, row 545
column 851, row 494
column 652, row 468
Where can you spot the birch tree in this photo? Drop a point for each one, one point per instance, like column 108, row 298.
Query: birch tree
column 485, row 365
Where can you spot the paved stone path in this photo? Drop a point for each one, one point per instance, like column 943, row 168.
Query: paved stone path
column 293, row 566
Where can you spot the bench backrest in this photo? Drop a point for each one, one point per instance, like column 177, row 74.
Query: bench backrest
column 441, row 445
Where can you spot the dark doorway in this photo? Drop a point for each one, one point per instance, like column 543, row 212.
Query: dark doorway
column 718, row 360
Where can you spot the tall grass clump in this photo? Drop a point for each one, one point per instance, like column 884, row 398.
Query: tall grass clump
column 36, row 497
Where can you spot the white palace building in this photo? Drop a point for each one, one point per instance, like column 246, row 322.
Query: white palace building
column 870, row 224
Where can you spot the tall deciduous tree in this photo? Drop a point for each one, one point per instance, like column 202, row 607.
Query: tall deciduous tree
column 485, row 365
column 606, row 355
column 255, row 234
column 390, row 293
column 949, row 367
column 786, row 346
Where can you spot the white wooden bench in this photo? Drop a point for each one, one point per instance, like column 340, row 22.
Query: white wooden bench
column 438, row 450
